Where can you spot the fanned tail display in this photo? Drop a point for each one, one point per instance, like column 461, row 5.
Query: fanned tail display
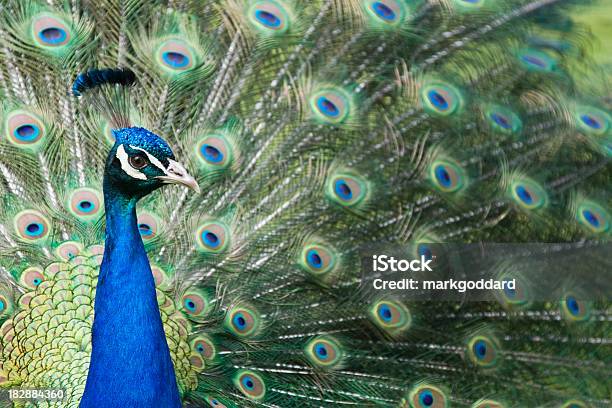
column 314, row 129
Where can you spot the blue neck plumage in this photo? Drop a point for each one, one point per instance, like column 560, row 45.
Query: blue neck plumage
column 130, row 361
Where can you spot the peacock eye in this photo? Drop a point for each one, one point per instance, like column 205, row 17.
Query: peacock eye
column 138, row 161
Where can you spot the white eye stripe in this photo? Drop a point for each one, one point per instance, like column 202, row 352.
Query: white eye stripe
column 154, row 161
column 174, row 168
column 125, row 165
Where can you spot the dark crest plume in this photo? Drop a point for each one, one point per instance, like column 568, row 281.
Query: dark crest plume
column 107, row 89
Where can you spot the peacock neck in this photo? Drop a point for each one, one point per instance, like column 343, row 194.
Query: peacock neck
column 130, row 358
column 121, row 223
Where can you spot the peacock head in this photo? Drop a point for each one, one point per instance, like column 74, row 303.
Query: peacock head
column 141, row 162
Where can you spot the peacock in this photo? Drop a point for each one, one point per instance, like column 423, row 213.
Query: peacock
column 189, row 190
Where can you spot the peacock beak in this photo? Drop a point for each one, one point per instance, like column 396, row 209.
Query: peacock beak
column 177, row 174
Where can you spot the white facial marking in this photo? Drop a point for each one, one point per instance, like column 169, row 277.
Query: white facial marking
column 175, row 173
column 125, row 165
column 154, row 161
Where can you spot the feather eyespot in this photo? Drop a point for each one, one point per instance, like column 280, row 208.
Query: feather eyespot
column 593, row 216
column 32, row 277
column 85, row 206
column 147, row 226
column 211, row 154
column 386, row 10
column 24, row 129
column 242, row 321
column 159, row 275
column 388, row 13
column 270, row 16
column 85, row 203
column 52, row 36
column 267, row 19
column 528, row 194
column 447, row 176
column 343, row 190
column 330, row 105
column 483, row 351
column 50, row 31
column 215, row 152
column 426, row 246
column 516, row 297
column 427, row 396
column 317, row 259
column 503, row 120
column 31, row 225
column 347, row 190
column 212, row 237
column 204, row 346
column 425, row 250
column 441, row 99
column 575, row 309
column 68, row 250
column 500, row 120
column 215, row 402
column 250, row 384
column 176, row 55
column 5, row 305
column 145, row 230
column 175, row 59
column 324, row 351
column 327, row 107
column 194, row 303
column 539, row 61
column 592, row 121
column 197, row 362
column 390, row 315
